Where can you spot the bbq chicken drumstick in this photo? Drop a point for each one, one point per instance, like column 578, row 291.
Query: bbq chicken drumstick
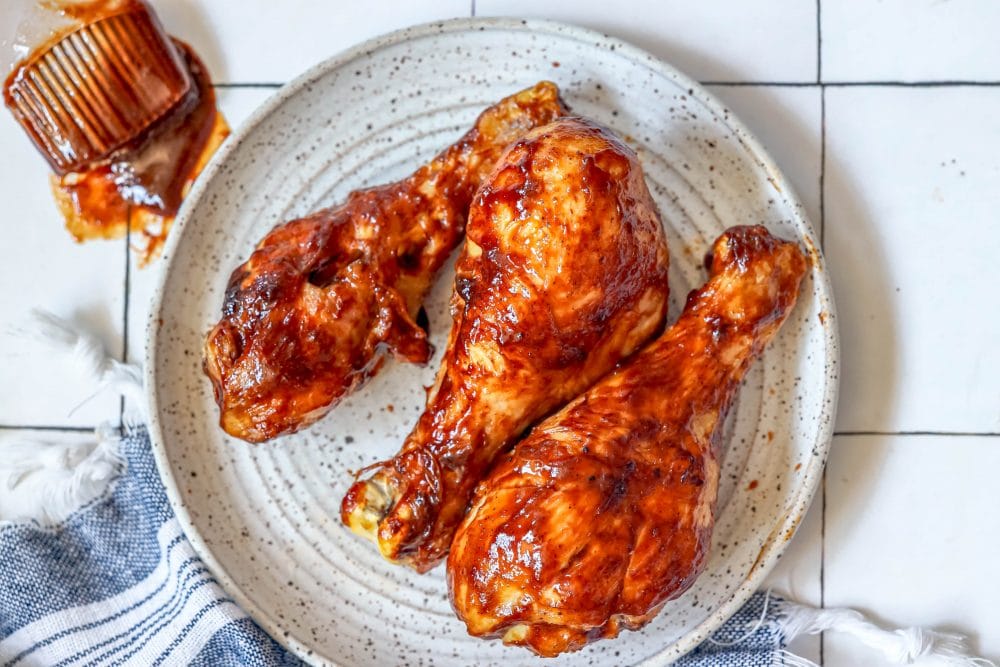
column 605, row 511
column 563, row 273
column 306, row 318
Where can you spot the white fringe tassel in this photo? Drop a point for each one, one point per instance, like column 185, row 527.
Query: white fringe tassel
column 907, row 646
column 46, row 481
column 91, row 360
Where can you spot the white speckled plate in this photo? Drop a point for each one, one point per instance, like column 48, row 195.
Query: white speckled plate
column 266, row 518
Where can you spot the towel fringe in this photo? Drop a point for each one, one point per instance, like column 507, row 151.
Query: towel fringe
column 905, row 646
column 91, row 360
column 46, row 481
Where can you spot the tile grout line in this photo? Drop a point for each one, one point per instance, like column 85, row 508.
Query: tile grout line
column 819, row 41
column 941, row 83
column 248, row 84
column 822, row 561
column 952, row 434
column 57, row 429
column 822, row 168
column 853, row 84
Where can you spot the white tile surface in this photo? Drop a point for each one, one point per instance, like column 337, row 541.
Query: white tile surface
column 710, row 41
column 42, row 267
column 243, row 41
column 912, row 242
column 912, row 536
column 910, row 40
column 787, row 122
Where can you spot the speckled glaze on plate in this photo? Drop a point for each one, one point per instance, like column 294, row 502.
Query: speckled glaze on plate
column 265, row 518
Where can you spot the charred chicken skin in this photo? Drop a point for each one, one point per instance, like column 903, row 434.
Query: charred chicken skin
column 306, row 318
column 563, row 274
column 605, row 511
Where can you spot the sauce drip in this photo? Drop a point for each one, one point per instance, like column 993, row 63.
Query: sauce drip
column 141, row 186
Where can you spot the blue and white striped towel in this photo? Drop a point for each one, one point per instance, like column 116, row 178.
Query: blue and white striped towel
column 118, row 583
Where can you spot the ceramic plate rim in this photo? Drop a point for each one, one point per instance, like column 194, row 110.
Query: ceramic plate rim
column 800, row 501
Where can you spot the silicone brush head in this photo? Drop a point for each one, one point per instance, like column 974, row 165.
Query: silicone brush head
column 98, row 87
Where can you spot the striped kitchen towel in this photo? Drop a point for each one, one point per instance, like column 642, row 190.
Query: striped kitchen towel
column 118, row 583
